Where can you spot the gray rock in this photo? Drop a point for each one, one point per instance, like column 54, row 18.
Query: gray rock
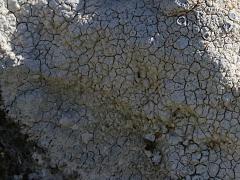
column 122, row 69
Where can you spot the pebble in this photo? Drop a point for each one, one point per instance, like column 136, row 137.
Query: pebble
column 156, row 159
column 150, row 137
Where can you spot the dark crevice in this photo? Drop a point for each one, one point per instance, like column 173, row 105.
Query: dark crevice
column 15, row 150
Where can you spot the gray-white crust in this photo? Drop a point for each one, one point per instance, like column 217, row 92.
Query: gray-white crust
column 137, row 89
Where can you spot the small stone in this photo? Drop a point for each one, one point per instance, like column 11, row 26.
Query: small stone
column 181, row 43
column 156, row 159
column 150, row 137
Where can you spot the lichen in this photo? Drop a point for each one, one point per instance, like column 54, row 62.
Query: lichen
column 139, row 89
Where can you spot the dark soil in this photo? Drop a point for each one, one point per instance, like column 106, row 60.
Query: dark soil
column 16, row 162
column 15, row 150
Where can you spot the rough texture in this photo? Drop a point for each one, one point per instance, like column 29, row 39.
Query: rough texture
column 137, row 89
column 21, row 159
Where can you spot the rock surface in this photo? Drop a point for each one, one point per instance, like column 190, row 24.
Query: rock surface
column 89, row 80
column 21, row 159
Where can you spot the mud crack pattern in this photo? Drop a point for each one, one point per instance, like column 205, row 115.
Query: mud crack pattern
column 137, row 89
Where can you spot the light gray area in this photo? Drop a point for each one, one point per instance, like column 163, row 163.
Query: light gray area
column 137, row 89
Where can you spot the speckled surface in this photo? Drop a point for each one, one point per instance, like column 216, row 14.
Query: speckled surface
column 138, row 89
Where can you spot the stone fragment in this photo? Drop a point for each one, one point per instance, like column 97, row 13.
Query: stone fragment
column 156, row 158
column 150, row 137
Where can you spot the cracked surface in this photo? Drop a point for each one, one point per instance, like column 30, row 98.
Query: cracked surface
column 138, row 89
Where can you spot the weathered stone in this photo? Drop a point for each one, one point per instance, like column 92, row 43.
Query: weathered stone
column 88, row 80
